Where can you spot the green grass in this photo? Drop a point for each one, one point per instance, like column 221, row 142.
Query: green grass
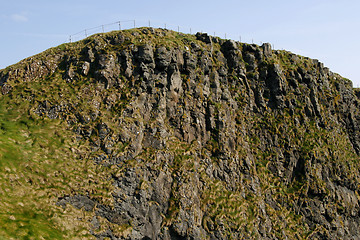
column 39, row 164
column 28, row 224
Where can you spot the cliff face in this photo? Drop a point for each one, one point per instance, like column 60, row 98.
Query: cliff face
column 169, row 136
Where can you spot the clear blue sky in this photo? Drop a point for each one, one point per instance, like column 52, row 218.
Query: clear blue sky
column 327, row 30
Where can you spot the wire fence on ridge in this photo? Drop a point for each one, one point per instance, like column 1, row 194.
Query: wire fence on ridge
column 119, row 25
column 130, row 24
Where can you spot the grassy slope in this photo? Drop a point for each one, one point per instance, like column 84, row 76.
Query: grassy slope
column 39, row 162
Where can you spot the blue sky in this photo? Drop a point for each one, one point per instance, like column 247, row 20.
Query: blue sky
column 327, row 30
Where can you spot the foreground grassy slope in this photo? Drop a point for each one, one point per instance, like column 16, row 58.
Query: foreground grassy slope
column 40, row 162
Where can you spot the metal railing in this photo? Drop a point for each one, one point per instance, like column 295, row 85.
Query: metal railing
column 129, row 24
column 119, row 25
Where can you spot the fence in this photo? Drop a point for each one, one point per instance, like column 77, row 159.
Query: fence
column 119, row 25
column 129, row 24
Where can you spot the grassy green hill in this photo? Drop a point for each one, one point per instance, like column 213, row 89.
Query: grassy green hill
column 152, row 134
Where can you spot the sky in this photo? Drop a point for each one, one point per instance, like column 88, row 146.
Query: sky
column 327, row 30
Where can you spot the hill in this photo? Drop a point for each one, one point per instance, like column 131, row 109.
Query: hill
column 153, row 134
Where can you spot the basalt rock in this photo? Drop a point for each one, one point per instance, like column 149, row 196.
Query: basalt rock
column 211, row 138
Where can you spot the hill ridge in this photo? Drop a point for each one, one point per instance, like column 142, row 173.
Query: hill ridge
column 172, row 136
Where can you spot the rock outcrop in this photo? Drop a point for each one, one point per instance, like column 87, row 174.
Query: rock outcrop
column 211, row 138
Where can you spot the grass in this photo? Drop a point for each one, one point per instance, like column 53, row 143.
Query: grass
column 40, row 162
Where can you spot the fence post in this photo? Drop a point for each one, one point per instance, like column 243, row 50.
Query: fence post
column 120, row 25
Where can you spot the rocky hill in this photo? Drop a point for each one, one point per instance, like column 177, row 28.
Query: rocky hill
column 152, row 134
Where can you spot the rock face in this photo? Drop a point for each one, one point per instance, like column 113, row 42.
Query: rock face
column 212, row 138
